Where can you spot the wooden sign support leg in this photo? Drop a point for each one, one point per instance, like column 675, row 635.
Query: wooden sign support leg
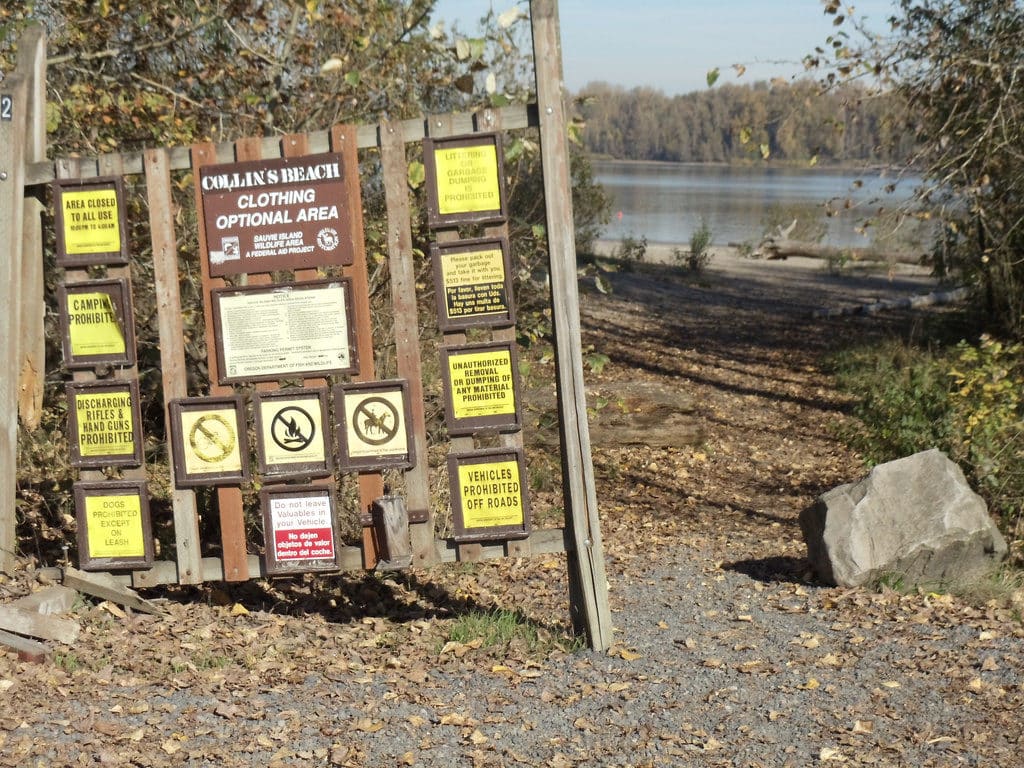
column 391, row 522
column 587, row 581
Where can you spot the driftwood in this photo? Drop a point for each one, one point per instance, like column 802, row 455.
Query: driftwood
column 775, row 249
column 907, row 302
column 105, row 587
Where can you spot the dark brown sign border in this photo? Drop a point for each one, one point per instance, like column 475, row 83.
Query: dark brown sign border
column 110, row 459
column 312, row 373
column 437, row 220
column 438, row 251
column 494, row 533
column 185, row 479
column 272, row 565
column 467, row 425
column 113, row 488
column 343, row 251
column 119, row 290
column 406, row 460
column 64, row 186
column 317, row 397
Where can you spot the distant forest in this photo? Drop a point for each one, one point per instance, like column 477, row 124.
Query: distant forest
column 793, row 122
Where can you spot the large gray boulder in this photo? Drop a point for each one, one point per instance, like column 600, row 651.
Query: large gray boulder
column 915, row 519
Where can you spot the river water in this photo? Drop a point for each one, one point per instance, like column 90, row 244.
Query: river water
column 666, row 202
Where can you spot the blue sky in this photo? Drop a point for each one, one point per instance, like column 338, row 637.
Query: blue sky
column 671, row 44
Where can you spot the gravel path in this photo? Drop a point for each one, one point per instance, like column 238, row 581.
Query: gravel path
column 727, row 652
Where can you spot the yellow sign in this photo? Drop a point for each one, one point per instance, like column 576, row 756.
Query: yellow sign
column 93, row 325
column 293, row 431
column 474, row 282
column 104, row 424
column 481, row 384
column 114, row 524
column 467, row 179
column 211, row 441
column 91, row 222
column 491, row 494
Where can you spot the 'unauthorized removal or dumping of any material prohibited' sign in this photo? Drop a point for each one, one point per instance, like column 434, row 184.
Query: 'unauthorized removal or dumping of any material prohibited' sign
column 282, row 213
column 208, row 439
column 298, row 525
column 481, row 381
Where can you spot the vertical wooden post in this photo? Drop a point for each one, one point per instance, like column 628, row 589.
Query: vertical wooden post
column 31, row 338
column 587, row 582
column 407, row 336
column 172, row 354
column 13, row 119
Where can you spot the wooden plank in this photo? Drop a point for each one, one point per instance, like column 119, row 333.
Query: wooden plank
column 32, row 341
column 587, row 580
column 229, row 499
column 12, row 211
column 371, row 484
column 106, row 587
column 36, row 624
column 53, row 599
column 406, row 328
column 28, row 650
column 172, row 354
column 391, row 523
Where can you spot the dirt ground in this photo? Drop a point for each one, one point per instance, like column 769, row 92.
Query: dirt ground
column 727, row 652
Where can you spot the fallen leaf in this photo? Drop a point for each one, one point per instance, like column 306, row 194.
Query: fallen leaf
column 863, row 726
column 830, row 753
column 810, row 685
column 366, row 725
column 239, row 610
column 477, row 738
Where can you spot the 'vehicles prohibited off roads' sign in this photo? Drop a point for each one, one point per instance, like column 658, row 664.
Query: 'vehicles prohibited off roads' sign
column 282, row 213
column 208, row 439
column 489, row 501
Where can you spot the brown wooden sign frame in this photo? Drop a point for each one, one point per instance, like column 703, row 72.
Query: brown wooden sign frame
column 66, row 188
column 97, row 461
column 226, row 365
column 462, row 515
column 91, row 562
column 272, row 563
column 216, row 433
column 457, row 291
column 462, row 424
column 438, row 168
column 118, row 289
column 375, row 402
column 293, row 424
column 276, row 214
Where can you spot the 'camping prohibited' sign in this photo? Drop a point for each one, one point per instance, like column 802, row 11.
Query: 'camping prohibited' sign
column 97, row 323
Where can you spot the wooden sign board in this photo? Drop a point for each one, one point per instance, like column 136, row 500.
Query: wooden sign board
column 97, row 323
column 488, row 493
column 299, row 330
column 90, row 221
column 465, row 180
column 374, row 425
column 480, row 383
column 298, row 529
column 114, row 530
column 281, row 213
column 473, row 284
column 209, row 441
column 291, row 437
column 105, row 424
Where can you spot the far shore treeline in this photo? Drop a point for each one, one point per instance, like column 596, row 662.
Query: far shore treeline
column 793, row 122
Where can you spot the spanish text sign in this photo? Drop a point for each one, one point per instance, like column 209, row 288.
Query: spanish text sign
column 472, row 283
column 283, row 213
column 298, row 522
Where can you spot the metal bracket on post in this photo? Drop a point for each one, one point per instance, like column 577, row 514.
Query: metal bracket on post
column 391, row 523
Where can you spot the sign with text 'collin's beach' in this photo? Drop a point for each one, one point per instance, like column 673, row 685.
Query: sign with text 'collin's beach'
column 282, row 213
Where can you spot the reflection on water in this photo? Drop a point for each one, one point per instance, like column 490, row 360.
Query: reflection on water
column 667, row 201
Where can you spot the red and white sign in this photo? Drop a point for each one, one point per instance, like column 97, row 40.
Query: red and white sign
column 302, row 528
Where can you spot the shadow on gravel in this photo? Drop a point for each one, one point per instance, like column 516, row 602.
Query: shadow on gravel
column 773, row 570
